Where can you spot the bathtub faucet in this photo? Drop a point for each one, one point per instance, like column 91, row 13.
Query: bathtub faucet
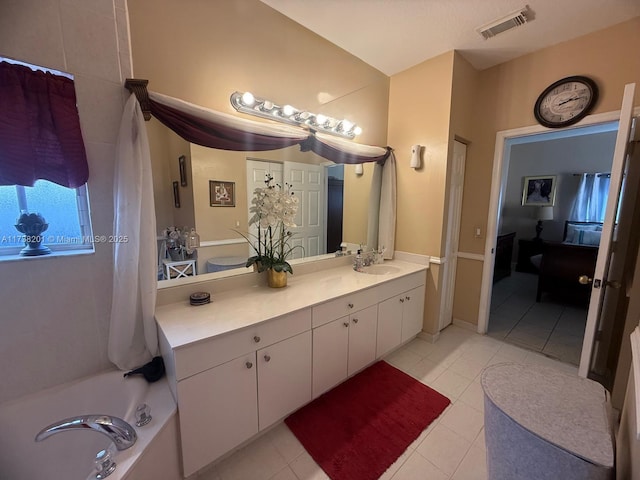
column 122, row 434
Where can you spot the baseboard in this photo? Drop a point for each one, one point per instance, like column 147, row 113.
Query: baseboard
column 431, row 338
column 466, row 325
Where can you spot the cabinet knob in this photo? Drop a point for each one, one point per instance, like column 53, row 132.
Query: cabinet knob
column 267, row 358
column 402, row 300
column 346, row 324
column 407, row 298
column 256, row 339
column 249, row 364
column 351, row 305
column 355, row 320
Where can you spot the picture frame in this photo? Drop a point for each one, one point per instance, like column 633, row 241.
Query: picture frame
column 182, row 164
column 222, row 193
column 176, row 195
column 539, row 191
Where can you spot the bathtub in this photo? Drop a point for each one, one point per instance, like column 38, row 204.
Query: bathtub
column 70, row 455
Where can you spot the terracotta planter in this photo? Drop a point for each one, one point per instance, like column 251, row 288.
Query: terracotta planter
column 276, row 279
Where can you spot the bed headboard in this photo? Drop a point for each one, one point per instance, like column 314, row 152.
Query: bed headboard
column 582, row 233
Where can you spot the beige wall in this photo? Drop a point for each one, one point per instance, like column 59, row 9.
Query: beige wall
column 203, row 51
column 504, row 100
column 55, row 310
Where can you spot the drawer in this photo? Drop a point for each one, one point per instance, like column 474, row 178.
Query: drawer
column 333, row 309
column 197, row 357
column 401, row 285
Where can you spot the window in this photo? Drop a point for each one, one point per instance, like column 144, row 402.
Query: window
column 43, row 165
column 66, row 211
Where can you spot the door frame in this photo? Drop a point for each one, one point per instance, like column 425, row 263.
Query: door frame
column 497, row 191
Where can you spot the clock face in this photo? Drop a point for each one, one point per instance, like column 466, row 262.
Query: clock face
column 566, row 101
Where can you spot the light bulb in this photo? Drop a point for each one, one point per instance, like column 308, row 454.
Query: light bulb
column 321, row 119
column 288, row 110
column 357, row 130
column 248, row 99
column 345, row 125
column 266, row 106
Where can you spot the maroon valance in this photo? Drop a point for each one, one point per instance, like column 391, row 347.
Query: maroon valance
column 213, row 134
column 40, row 135
column 339, row 156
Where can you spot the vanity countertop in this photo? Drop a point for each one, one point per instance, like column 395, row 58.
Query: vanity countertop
column 183, row 324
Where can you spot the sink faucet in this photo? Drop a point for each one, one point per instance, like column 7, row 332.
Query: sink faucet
column 122, row 434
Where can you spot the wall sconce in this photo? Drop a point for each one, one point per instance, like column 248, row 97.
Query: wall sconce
column 415, row 156
column 247, row 103
column 359, row 169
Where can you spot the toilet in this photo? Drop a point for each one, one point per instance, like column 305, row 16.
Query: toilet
column 218, row 264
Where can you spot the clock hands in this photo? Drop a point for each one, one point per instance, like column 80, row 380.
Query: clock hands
column 569, row 100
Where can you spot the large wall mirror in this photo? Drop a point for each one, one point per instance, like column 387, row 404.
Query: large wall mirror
column 185, row 180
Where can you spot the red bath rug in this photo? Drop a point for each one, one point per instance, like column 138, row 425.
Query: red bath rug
column 358, row 429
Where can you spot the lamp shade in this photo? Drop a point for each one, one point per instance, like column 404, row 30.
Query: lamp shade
column 545, row 213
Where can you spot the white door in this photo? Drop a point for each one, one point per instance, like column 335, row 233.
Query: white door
column 453, row 231
column 601, row 312
column 412, row 313
column 330, row 355
column 307, row 183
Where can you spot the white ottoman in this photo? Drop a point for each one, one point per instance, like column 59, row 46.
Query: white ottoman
column 544, row 425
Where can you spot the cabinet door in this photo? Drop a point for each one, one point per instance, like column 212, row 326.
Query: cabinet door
column 389, row 325
column 330, row 353
column 362, row 338
column 284, row 378
column 217, row 411
column 412, row 315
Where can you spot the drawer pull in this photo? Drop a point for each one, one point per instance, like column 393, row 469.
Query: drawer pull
column 355, row 320
column 351, row 305
column 407, row 298
column 346, row 324
column 256, row 339
column 402, row 300
column 267, row 358
column 249, row 364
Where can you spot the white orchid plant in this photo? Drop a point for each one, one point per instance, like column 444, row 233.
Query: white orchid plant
column 274, row 208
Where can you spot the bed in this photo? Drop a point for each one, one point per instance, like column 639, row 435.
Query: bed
column 562, row 263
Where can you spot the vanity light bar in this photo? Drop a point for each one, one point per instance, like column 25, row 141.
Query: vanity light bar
column 247, row 103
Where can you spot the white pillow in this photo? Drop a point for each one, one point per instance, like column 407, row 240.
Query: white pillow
column 573, row 232
column 590, row 237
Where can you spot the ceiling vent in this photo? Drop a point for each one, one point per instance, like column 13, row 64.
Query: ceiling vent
column 514, row 19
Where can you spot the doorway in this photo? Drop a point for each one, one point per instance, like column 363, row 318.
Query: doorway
column 524, row 311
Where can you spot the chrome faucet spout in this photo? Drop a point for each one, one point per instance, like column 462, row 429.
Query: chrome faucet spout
column 122, row 434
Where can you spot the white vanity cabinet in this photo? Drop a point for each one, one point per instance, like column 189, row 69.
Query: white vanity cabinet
column 249, row 358
column 284, row 378
column 266, row 375
column 400, row 317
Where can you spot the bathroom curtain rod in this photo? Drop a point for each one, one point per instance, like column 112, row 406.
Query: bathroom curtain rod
column 592, row 174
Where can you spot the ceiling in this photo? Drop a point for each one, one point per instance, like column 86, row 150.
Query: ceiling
column 393, row 35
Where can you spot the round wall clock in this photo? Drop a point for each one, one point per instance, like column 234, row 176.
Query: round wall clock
column 566, row 101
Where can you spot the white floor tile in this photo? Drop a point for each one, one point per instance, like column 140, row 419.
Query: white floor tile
column 469, row 367
column 418, row 468
column 426, row 371
column 473, row 466
column 403, row 359
column 258, row 461
column 393, row 469
column 285, row 442
column 473, row 396
column 306, row 469
column 444, row 448
column 451, row 384
column 463, row 420
column 285, row 474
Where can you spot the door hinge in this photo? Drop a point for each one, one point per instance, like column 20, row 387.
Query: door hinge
column 597, row 283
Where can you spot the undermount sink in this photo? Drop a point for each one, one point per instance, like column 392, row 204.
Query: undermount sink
column 380, row 270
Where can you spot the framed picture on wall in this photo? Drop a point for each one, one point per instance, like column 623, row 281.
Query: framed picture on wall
column 539, row 191
column 183, row 170
column 222, row 194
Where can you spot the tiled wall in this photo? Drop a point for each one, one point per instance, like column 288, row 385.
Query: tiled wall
column 54, row 311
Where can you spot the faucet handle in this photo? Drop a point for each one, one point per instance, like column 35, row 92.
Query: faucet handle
column 104, row 464
column 143, row 415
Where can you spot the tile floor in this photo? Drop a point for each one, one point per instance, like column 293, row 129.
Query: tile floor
column 549, row 327
column 451, row 448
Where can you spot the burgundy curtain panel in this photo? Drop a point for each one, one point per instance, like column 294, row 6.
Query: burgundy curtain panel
column 40, row 136
column 339, row 156
column 215, row 135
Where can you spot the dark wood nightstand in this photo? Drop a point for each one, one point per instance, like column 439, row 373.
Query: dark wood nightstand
column 504, row 253
column 526, row 250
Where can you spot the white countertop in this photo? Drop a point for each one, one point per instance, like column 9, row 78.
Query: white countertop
column 183, row 324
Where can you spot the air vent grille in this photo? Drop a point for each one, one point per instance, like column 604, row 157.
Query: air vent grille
column 515, row 19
